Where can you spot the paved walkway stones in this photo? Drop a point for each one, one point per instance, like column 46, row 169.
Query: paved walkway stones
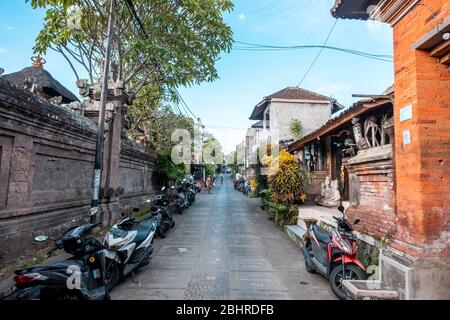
column 224, row 247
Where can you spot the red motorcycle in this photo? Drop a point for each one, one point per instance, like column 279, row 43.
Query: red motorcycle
column 334, row 254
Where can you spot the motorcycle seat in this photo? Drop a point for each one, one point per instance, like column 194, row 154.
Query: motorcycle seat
column 143, row 230
column 321, row 234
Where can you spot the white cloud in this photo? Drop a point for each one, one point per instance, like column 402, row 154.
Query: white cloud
column 9, row 28
column 242, row 17
column 2, row 50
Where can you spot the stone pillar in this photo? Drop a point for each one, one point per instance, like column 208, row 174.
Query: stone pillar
column 110, row 189
column 111, row 186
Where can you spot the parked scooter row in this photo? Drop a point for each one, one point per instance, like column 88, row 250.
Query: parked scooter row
column 95, row 267
column 242, row 185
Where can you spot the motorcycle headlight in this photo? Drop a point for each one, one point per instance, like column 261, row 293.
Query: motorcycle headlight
column 345, row 247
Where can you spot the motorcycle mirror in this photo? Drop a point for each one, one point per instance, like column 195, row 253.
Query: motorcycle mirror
column 93, row 211
column 356, row 221
column 341, row 209
column 41, row 238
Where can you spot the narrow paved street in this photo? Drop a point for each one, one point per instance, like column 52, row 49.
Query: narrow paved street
column 224, row 247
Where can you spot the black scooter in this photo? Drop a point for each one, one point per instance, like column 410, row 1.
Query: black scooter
column 80, row 277
column 161, row 205
column 188, row 188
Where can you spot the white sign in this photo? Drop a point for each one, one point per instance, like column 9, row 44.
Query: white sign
column 407, row 137
column 406, row 113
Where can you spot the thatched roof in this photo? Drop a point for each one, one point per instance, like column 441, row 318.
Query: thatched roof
column 50, row 86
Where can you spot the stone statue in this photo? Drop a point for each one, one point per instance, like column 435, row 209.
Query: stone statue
column 329, row 194
column 372, row 132
column 349, row 150
column 357, row 132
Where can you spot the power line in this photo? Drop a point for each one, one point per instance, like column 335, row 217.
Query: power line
column 247, row 46
column 318, row 54
column 185, row 104
column 387, row 58
column 130, row 5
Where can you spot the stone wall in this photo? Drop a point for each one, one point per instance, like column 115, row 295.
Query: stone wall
column 46, row 164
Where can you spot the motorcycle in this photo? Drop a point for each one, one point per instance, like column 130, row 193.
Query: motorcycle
column 198, row 187
column 128, row 246
column 161, row 202
column 81, row 277
column 334, row 254
column 246, row 188
column 157, row 215
column 189, row 189
column 177, row 200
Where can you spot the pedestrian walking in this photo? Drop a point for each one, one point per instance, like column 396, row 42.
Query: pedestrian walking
column 208, row 184
column 221, row 179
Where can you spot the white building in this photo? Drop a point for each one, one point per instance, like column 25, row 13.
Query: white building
column 276, row 112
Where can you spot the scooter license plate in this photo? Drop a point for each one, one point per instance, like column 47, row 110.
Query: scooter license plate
column 96, row 273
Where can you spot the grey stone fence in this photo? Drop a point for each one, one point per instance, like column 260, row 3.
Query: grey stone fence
column 46, row 165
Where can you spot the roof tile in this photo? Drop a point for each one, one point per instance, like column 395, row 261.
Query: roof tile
column 294, row 93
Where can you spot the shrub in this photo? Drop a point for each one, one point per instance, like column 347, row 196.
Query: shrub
column 289, row 181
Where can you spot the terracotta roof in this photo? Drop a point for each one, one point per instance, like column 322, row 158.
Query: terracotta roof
column 49, row 85
column 294, row 93
column 289, row 93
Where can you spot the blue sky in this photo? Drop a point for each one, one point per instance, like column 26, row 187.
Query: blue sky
column 246, row 76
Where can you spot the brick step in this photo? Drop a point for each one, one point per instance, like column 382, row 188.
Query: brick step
column 369, row 290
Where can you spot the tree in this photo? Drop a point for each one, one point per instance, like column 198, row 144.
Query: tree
column 166, row 44
column 156, row 126
column 296, row 129
column 167, row 171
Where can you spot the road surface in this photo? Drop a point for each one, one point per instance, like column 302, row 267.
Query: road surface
column 224, row 247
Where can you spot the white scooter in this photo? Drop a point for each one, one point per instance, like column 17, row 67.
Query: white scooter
column 128, row 246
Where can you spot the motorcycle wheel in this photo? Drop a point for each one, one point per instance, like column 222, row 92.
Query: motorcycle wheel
column 112, row 274
column 307, row 256
column 107, row 296
column 352, row 272
column 161, row 231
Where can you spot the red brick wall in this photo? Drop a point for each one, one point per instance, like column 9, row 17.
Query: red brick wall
column 423, row 166
column 376, row 208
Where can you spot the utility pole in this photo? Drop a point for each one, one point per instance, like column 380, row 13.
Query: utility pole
column 98, row 165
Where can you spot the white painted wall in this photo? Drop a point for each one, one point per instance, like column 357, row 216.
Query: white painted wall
column 311, row 115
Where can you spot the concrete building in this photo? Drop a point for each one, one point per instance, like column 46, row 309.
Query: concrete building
column 275, row 113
